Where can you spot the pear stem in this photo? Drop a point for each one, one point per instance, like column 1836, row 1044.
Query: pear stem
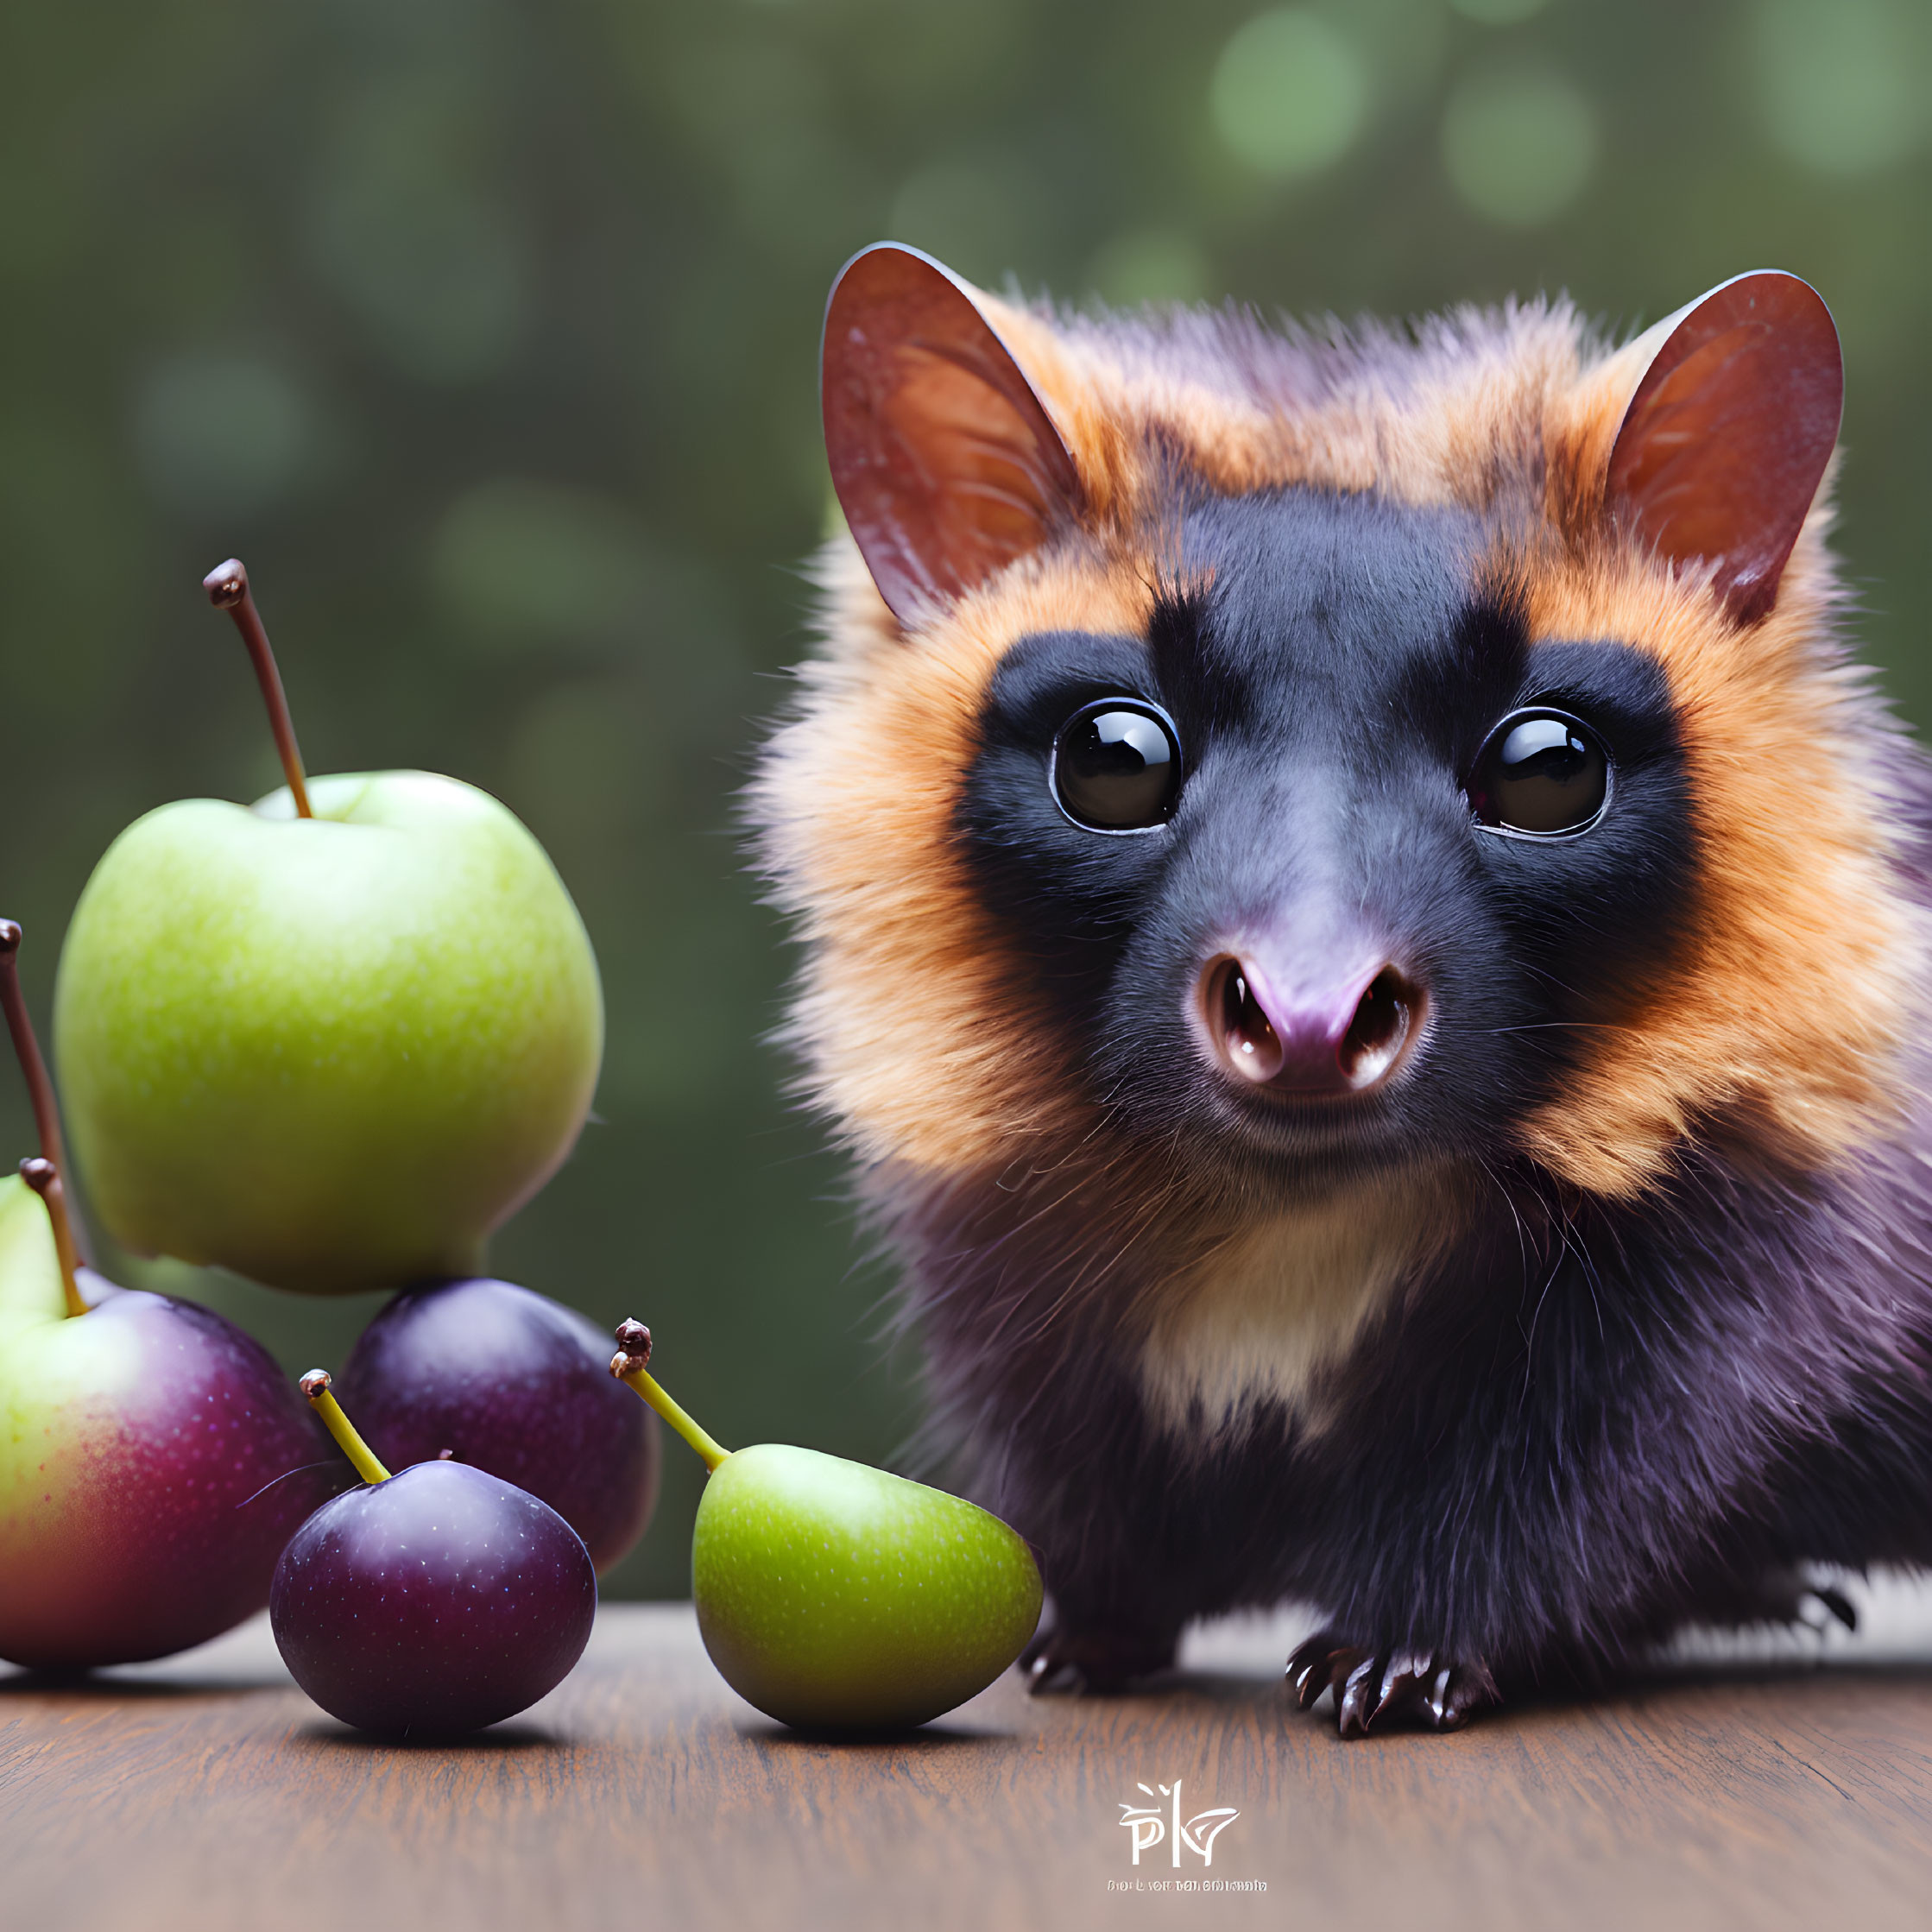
column 227, row 586
column 628, row 1365
column 315, row 1386
column 44, row 1177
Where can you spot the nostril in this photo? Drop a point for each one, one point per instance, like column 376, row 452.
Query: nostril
column 1345, row 1037
column 1383, row 1018
column 1249, row 1044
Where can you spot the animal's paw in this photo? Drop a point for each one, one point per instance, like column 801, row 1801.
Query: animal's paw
column 1070, row 1662
column 1382, row 1688
column 1803, row 1594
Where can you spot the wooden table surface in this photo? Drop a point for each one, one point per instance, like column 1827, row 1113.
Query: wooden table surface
column 206, row 1792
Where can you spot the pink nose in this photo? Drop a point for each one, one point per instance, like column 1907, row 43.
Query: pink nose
column 1339, row 1037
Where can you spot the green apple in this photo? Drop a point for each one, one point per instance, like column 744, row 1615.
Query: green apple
column 835, row 1596
column 331, row 1053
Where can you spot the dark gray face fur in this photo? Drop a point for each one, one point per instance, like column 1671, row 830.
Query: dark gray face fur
column 1332, row 682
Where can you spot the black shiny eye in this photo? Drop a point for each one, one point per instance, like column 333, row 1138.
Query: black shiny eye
column 1117, row 767
column 1541, row 773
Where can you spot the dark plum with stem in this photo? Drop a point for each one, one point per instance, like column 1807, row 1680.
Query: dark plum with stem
column 430, row 1602
column 516, row 1383
column 152, row 1458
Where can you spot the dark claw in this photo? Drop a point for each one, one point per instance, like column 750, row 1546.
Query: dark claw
column 1307, row 1676
column 1049, row 1676
column 1438, row 1701
column 1071, row 1663
column 1837, row 1603
column 1370, row 1689
column 1406, row 1669
column 1322, row 1661
column 1458, row 1692
column 1352, row 1715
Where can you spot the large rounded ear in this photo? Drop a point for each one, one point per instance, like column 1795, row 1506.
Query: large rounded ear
column 1726, row 441
column 945, row 462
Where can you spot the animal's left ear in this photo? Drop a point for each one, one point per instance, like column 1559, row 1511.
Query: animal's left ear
column 1726, row 441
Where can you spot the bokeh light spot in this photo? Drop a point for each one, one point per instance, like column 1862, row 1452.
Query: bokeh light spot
column 1498, row 13
column 585, row 762
column 519, row 564
column 1402, row 43
column 972, row 218
column 221, row 438
column 1844, row 86
column 1518, row 146
column 405, row 234
column 1150, row 265
column 1289, row 93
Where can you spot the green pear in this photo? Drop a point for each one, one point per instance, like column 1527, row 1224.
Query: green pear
column 331, row 1053
column 834, row 1596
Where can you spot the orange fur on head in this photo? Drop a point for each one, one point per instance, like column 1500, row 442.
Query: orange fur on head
column 915, row 1022
column 1788, row 994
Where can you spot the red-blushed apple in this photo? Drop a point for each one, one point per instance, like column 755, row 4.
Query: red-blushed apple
column 330, row 1053
column 153, row 1458
column 153, row 1461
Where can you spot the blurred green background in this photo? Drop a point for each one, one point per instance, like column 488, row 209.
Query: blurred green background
column 487, row 332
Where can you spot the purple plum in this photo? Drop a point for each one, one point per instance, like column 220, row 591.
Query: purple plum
column 434, row 1603
column 516, row 1383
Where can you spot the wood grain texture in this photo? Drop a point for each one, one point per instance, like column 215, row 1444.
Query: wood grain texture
column 208, row 1793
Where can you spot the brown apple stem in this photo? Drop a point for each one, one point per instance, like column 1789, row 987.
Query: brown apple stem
column 47, row 1112
column 44, row 1177
column 368, row 1466
column 27, row 1049
column 633, row 1351
column 227, row 586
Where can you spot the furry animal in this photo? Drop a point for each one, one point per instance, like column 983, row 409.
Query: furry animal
column 1369, row 946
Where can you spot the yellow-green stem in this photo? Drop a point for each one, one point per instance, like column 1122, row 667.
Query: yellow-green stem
column 641, row 1380
column 315, row 1386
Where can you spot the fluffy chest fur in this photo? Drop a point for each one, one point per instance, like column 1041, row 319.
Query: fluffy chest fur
column 1255, row 1325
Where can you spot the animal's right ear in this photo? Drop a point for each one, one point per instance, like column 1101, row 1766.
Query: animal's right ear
column 946, row 463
